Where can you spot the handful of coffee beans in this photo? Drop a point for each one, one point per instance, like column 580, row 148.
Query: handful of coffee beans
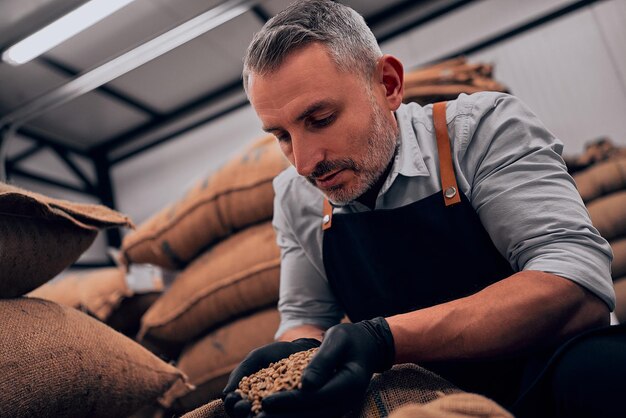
column 283, row 375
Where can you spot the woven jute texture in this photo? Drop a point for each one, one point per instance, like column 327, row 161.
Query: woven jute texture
column 209, row 361
column 238, row 275
column 214, row 409
column 457, row 405
column 601, row 179
column 608, row 215
column 41, row 236
column 126, row 318
column 98, row 292
column 402, row 384
column 238, row 195
column 388, row 391
column 447, row 79
column 58, row 362
column 17, row 201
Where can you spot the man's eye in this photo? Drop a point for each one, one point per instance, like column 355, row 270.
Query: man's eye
column 320, row 123
column 283, row 137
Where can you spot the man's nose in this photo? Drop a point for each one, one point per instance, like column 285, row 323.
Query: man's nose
column 306, row 155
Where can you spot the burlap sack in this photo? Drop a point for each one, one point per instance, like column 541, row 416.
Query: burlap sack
column 608, row 215
column 236, row 276
column 41, row 236
column 431, row 93
column 446, row 80
column 403, row 384
column 98, row 292
column 388, row 391
column 601, row 179
column 209, row 361
column 126, row 318
column 596, row 151
column 58, row 362
column 238, row 195
column 618, row 266
column 456, row 405
column 214, row 409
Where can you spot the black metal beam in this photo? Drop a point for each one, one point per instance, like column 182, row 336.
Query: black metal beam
column 41, row 142
column 34, row 149
column 104, row 190
column 110, row 91
column 423, row 19
column 187, row 128
column 6, row 132
column 14, row 170
column 391, row 12
column 64, row 155
column 261, row 13
column 521, row 28
column 84, row 265
column 160, row 122
column 49, row 142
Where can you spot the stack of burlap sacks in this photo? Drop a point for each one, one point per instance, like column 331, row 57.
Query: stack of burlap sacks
column 57, row 361
column 447, row 79
column 600, row 176
column 105, row 294
column 222, row 303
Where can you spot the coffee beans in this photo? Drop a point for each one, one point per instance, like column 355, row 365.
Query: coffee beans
column 283, row 375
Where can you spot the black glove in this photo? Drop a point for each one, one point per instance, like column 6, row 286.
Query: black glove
column 337, row 378
column 255, row 361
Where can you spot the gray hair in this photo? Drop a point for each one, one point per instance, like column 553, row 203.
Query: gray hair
column 350, row 42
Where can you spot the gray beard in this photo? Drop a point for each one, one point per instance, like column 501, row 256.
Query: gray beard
column 382, row 146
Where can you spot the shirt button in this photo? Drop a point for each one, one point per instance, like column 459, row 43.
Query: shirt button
column 450, row 192
column 326, row 219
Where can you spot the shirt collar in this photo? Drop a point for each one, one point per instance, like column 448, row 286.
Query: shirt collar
column 408, row 160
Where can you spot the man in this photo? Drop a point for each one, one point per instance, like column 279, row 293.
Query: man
column 451, row 235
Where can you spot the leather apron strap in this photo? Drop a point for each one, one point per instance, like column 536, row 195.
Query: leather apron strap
column 327, row 220
column 449, row 186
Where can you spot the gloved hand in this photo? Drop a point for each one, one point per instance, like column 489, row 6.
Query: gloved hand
column 337, row 378
column 255, row 361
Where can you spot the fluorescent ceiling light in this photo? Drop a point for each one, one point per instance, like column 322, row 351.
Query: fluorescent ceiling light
column 60, row 30
column 128, row 61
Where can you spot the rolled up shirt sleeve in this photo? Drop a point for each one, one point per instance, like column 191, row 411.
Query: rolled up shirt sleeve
column 527, row 201
column 305, row 295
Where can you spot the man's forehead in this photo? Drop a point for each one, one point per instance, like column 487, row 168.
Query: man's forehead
column 302, row 63
column 299, row 114
column 279, row 93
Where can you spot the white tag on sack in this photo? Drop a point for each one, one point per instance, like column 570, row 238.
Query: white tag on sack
column 144, row 278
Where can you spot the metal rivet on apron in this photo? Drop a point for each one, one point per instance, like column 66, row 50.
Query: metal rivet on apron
column 450, row 192
column 326, row 219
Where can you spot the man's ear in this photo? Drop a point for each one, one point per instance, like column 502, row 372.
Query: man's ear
column 390, row 74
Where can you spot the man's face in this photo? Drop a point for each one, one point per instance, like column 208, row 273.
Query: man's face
column 333, row 127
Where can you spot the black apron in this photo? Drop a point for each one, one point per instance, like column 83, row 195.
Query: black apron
column 387, row 262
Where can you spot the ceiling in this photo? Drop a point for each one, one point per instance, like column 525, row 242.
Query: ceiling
column 181, row 89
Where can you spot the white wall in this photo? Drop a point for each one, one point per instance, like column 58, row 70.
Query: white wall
column 570, row 71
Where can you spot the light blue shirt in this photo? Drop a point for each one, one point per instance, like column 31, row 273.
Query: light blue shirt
column 507, row 164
